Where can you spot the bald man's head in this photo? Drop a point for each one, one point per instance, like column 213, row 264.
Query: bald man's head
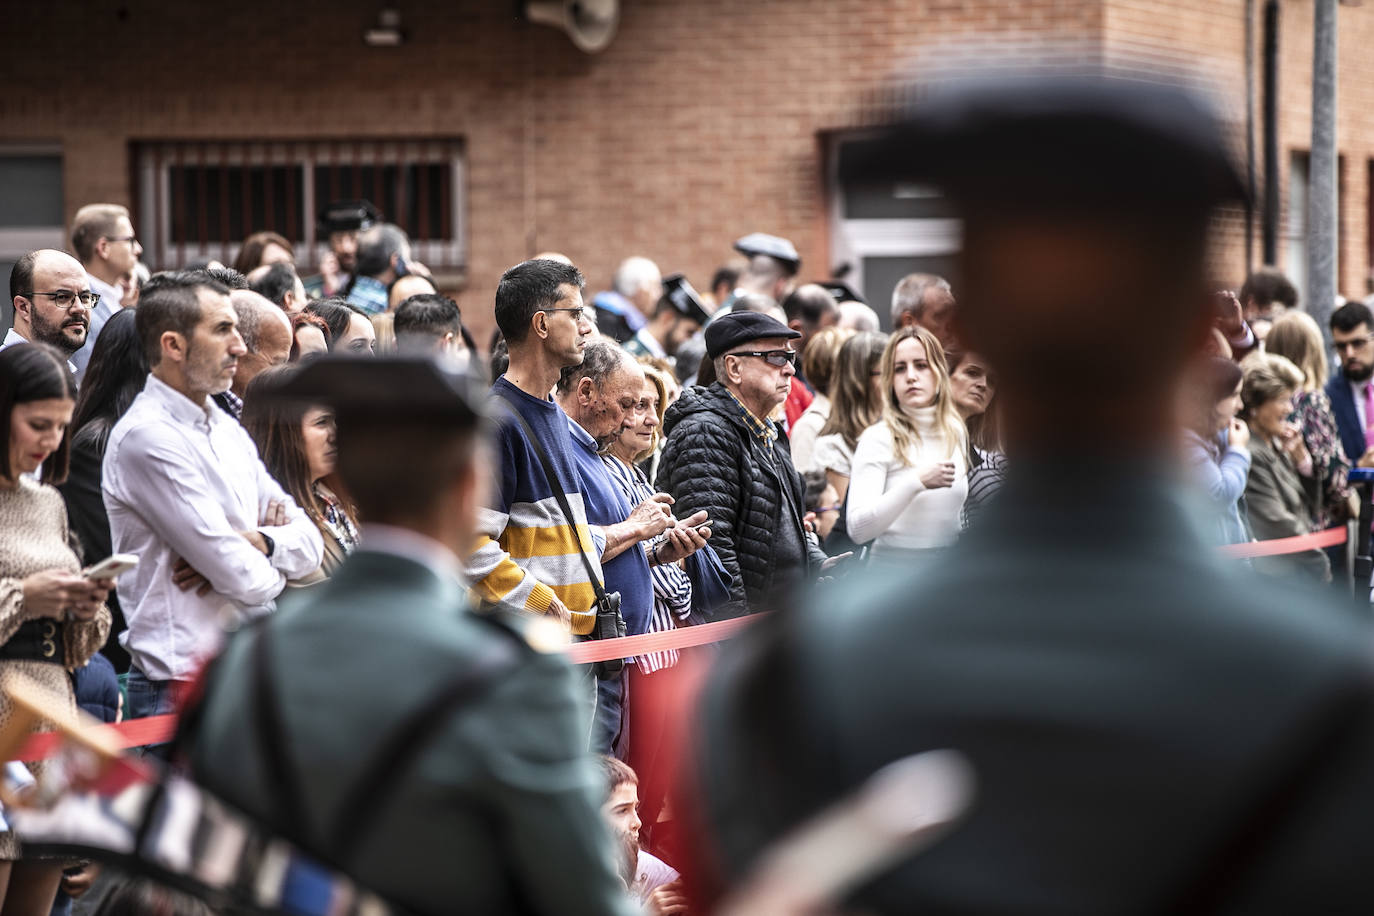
column 266, row 333
column 44, row 290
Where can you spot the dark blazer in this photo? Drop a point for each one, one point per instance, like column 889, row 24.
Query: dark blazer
column 1150, row 729
column 497, row 814
column 1347, row 417
column 1281, row 503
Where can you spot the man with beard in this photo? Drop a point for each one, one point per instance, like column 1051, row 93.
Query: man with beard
column 1351, row 391
column 341, row 222
column 652, row 882
column 51, row 300
column 186, row 492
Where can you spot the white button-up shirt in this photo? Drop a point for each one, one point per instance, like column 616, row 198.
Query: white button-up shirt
column 110, row 299
column 13, row 338
column 180, row 480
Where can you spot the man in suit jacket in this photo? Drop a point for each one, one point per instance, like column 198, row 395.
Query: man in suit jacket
column 1148, row 731
column 490, row 804
column 1350, row 390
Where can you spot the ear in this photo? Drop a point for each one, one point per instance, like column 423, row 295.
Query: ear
column 21, row 305
column 585, row 387
column 795, row 324
column 102, row 247
column 539, row 324
column 173, row 346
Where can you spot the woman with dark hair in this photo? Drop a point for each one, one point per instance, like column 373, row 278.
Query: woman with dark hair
column 350, row 329
column 299, row 451
column 856, row 403
column 52, row 619
column 263, row 248
column 974, row 387
column 309, row 336
column 114, row 377
column 1217, row 446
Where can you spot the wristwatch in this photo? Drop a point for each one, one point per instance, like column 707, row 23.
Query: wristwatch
column 271, row 544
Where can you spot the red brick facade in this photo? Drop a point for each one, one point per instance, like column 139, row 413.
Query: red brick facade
column 701, row 122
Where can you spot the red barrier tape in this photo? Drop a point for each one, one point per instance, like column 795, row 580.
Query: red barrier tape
column 1328, row 538
column 157, row 729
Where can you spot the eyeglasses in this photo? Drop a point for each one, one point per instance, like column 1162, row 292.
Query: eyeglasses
column 777, row 358
column 65, row 298
column 1342, row 345
column 835, row 508
column 131, row 239
column 577, row 314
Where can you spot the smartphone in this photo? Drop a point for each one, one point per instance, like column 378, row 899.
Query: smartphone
column 111, row 567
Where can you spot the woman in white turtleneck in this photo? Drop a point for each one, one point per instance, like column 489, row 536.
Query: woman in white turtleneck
column 909, row 479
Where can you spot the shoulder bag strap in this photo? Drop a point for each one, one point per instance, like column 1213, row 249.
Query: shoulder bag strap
column 559, row 495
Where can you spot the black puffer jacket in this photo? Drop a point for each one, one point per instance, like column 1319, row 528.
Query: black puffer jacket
column 752, row 493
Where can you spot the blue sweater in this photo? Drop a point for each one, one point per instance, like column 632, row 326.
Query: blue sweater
column 607, row 504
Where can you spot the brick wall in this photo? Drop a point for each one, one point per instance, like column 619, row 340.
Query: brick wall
column 700, row 122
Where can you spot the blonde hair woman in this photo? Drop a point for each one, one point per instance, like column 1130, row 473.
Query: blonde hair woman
column 909, row 478
column 1295, row 336
column 1280, row 494
column 856, row 403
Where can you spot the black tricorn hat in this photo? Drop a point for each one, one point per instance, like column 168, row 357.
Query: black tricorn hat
column 387, row 391
column 348, row 215
column 1074, row 141
column 682, row 297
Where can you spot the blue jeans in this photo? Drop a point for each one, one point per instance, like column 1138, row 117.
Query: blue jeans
column 149, row 698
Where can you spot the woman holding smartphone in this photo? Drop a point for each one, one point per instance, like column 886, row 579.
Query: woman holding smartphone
column 52, row 619
column 910, row 474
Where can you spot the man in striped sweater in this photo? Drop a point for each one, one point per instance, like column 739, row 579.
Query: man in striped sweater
column 526, row 556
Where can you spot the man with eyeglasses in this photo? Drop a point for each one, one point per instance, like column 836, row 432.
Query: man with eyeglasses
column 1352, row 390
column 103, row 238
column 724, row 454
column 51, row 301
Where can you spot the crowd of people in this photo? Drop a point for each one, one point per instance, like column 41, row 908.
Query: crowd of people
column 648, row 459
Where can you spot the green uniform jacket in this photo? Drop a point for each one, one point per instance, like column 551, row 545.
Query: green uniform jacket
column 498, row 815
column 1152, row 729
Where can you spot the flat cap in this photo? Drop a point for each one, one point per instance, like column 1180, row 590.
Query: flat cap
column 1054, row 139
column 680, row 294
column 729, row 331
column 842, row 291
column 387, row 391
column 348, row 215
column 779, row 249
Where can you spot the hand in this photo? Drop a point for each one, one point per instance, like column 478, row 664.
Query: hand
column 416, row 267
column 1291, row 440
column 186, row 578
column 809, row 522
column 256, row 539
column 559, row 611
column 1366, row 460
column 668, row 900
column 831, row 562
column 1230, row 317
column 652, row 516
column 938, row 475
column 689, row 536
column 1238, row 434
column 55, row 592
column 78, row 882
column 274, row 516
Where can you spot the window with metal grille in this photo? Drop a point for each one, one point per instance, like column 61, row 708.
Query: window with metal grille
column 200, row 199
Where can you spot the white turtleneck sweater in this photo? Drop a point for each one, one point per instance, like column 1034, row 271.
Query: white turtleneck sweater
column 889, row 505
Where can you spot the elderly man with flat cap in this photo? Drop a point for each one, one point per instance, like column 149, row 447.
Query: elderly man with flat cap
column 724, row 454
column 1149, row 730
column 432, row 754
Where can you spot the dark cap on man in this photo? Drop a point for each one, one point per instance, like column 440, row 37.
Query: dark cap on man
column 684, row 299
column 348, row 216
column 729, row 331
column 775, row 247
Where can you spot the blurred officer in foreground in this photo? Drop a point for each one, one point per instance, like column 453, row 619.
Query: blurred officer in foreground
column 429, row 753
column 1148, row 731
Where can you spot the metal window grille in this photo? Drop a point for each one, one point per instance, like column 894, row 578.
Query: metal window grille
column 200, row 199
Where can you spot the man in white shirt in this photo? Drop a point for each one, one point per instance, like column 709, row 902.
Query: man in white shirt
column 103, row 238
column 51, row 301
column 186, row 491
